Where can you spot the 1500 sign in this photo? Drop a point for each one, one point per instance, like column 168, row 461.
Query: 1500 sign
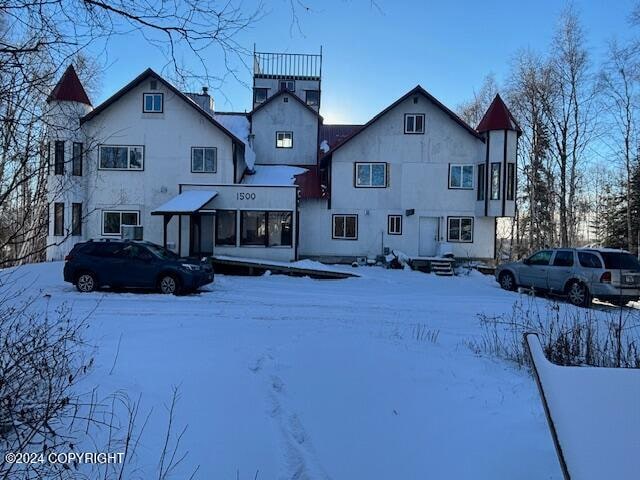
column 245, row 196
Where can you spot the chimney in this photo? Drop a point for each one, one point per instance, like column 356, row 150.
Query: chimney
column 204, row 100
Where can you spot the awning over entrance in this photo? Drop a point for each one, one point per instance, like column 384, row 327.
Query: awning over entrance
column 186, row 203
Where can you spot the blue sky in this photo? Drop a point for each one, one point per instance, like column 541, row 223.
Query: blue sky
column 372, row 57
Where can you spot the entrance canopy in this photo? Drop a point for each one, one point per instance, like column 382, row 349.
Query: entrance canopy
column 186, row 203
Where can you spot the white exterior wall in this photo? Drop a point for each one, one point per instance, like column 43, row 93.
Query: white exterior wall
column 417, row 169
column 273, row 86
column 285, row 116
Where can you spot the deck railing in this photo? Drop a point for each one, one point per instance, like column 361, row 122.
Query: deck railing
column 287, row 65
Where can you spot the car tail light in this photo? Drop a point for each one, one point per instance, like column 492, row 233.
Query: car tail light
column 606, row 277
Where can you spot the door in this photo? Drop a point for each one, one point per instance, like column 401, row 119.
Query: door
column 560, row 269
column 533, row 271
column 428, row 236
column 139, row 267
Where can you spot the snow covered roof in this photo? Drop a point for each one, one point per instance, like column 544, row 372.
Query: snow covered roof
column 498, row 117
column 186, row 202
column 273, row 175
column 69, row 88
column 238, row 124
column 594, row 416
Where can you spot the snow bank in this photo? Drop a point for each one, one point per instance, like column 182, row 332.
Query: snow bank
column 239, row 125
column 596, row 414
column 273, row 175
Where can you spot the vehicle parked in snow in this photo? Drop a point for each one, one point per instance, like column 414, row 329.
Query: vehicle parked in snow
column 133, row 264
column 580, row 274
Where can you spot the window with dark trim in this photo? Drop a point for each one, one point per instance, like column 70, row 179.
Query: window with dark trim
column 370, row 175
column 394, row 225
column 460, row 229
column 76, row 161
column 58, row 219
column 414, row 123
column 312, row 97
column 511, row 180
column 204, row 159
column 121, row 157
column 260, row 95
column 58, row 158
column 112, row 220
column 266, row 228
column 152, row 102
column 76, row 219
column 226, row 227
column 288, row 85
column 481, row 181
column 495, row 181
column 461, row 177
column 345, row 227
column 284, row 139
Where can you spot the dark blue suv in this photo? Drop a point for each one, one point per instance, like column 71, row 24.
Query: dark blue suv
column 133, row 264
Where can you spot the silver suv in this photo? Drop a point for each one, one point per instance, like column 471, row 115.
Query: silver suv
column 580, row 274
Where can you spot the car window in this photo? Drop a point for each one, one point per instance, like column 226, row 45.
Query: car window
column 540, row 258
column 589, row 260
column 620, row 260
column 106, row 250
column 162, row 252
column 563, row 258
column 135, row 251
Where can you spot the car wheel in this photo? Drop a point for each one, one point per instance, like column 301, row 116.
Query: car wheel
column 169, row 285
column 508, row 281
column 578, row 294
column 86, row 282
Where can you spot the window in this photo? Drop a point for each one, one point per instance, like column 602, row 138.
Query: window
column 371, row 175
column 394, row 225
column 589, row 260
column 313, row 98
column 345, row 227
column 279, row 229
column 253, row 228
column 58, row 158
column 620, row 261
column 563, row 258
column 204, row 159
column 481, row 182
column 461, row 176
column 414, row 123
column 114, row 157
column 113, row 220
column 260, row 95
column 495, row 181
column 76, row 161
column 226, row 227
column 76, row 219
column 511, row 180
column 288, row 85
column 152, row 102
column 284, row 139
column 58, row 219
column 540, row 258
column 460, row 229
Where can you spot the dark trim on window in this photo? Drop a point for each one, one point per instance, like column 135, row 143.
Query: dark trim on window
column 76, row 159
column 144, row 110
column 76, row 219
column 121, row 169
column 261, row 89
column 481, row 173
column 215, row 161
column 487, row 193
column 491, row 190
column 58, row 157
column 355, row 175
column 457, row 217
column 286, row 89
column 235, row 229
column 266, row 235
column 389, row 217
column 511, row 180
column 58, row 219
column 333, row 217
column 115, row 211
column 306, row 97
column 449, row 187
column 504, row 169
column 414, row 115
column 284, row 131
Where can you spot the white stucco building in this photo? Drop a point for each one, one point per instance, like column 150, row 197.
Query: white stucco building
column 276, row 182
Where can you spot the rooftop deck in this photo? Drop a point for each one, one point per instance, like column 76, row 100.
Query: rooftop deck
column 300, row 66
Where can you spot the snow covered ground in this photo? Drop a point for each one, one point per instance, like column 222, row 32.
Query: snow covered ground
column 318, row 379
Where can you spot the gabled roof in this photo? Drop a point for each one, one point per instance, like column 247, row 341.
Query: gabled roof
column 278, row 95
column 69, row 88
column 417, row 90
column 333, row 134
column 143, row 76
column 498, row 117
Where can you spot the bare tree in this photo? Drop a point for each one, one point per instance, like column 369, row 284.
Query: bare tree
column 473, row 110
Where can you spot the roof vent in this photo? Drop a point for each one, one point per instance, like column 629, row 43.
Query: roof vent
column 205, row 90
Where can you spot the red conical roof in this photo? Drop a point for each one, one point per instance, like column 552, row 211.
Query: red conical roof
column 498, row 117
column 69, row 88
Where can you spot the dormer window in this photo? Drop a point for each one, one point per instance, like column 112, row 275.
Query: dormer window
column 152, row 102
column 414, row 123
column 260, row 95
column 288, row 85
column 313, row 98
